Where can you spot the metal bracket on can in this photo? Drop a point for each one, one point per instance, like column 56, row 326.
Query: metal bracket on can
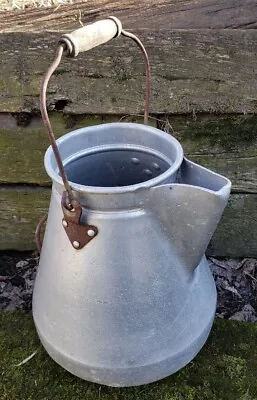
column 78, row 233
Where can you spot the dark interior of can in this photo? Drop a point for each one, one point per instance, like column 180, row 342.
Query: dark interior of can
column 119, row 167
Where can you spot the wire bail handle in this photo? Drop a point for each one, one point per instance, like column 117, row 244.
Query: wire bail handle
column 70, row 45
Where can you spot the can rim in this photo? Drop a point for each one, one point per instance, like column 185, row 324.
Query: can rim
column 52, row 170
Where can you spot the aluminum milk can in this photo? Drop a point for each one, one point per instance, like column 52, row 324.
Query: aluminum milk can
column 124, row 295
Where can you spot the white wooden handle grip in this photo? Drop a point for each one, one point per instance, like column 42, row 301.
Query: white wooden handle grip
column 90, row 36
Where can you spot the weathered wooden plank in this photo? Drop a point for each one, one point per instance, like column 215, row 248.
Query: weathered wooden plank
column 192, row 71
column 22, row 146
column 226, row 144
column 21, row 208
column 236, row 235
column 167, row 14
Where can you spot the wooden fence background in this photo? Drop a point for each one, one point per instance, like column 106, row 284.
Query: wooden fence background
column 204, row 91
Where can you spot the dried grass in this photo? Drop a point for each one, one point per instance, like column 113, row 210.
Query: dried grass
column 8, row 5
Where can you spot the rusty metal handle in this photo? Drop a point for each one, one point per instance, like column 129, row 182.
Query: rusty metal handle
column 82, row 39
column 47, row 123
column 147, row 72
column 38, row 233
column 63, row 48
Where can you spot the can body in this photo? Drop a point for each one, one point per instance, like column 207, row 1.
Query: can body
column 137, row 302
column 120, row 312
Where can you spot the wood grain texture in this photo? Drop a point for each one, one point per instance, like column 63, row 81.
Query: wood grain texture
column 192, row 72
column 22, row 207
column 146, row 14
column 236, row 234
column 20, row 210
column 22, row 146
column 226, row 144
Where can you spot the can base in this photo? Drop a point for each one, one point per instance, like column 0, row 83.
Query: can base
column 126, row 377
column 186, row 336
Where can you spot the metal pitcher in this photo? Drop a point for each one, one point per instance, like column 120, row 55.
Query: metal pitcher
column 124, row 295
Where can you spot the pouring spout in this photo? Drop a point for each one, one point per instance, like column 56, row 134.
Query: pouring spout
column 189, row 211
column 195, row 175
